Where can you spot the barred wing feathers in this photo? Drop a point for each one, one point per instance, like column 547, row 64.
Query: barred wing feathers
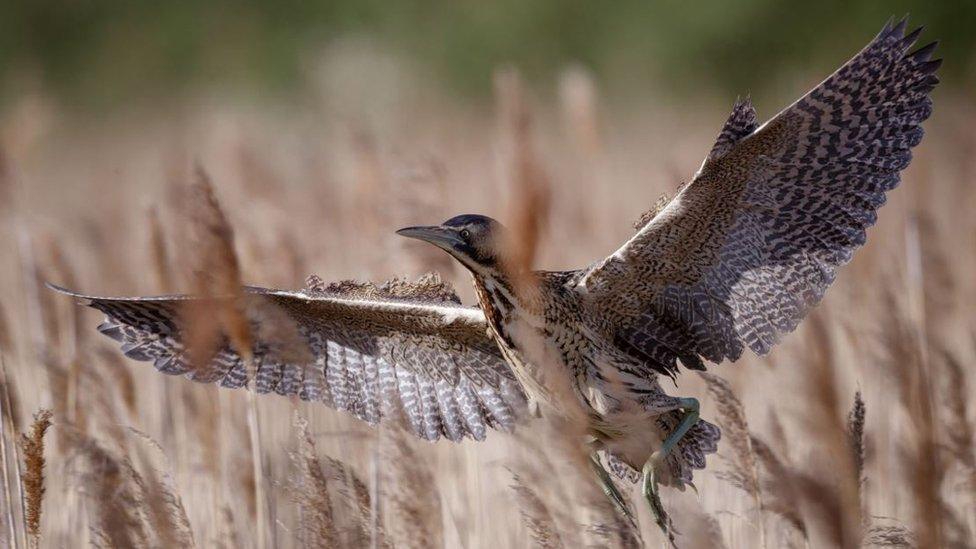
column 753, row 241
column 375, row 356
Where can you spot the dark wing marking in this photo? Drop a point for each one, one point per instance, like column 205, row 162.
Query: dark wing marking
column 372, row 357
column 752, row 243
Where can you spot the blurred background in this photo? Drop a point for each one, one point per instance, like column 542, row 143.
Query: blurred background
column 325, row 126
column 111, row 54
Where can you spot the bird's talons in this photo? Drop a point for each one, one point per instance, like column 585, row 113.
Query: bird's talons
column 618, row 502
column 612, row 493
column 650, row 492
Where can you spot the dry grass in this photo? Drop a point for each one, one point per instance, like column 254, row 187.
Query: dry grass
column 309, row 488
column 215, row 273
column 320, row 189
column 743, row 472
column 536, row 517
column 33, row 447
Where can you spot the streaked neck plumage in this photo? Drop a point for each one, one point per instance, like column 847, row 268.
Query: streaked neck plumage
column 504, row 298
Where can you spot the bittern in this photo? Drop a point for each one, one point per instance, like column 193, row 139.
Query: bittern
column 734, row 261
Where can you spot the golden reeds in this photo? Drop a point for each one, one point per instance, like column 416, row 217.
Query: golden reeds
column 217, row 279
column 120, row 374
column 9, row 427
column 33, row 447
column 707, row 533
column 744, row 470
column 116, row 507
column 560, row 501
column 351, row 516
column 855, row 436
column 919, row 423
column 309, row 488
column 215, row 274
column 7, row 430
column 128, row 508
column 832, row 489
column 960, row 431
column 9, row 406
column 529, row 195
column 164, row 506
column 921, row 456
column 42, row 327
column 780, row 491
column 579, row 103
column 158, row 253
column 409, row 492
column 6, row 340
column 536, row 516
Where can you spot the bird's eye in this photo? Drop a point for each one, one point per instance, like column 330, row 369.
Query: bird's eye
column 465, row 234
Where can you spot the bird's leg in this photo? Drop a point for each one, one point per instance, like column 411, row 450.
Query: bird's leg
column 610, row 489
column 690, row 408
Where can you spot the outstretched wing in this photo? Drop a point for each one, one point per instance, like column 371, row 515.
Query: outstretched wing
column 752, row 243
column 374, row 356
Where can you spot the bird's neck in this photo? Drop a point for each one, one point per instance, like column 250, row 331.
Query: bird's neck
column 506, row 296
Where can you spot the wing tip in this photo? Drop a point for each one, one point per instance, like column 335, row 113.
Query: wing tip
column 89, row 299
column 86, row 299
column 899, row 29
column 923, row 53
column 895, row 29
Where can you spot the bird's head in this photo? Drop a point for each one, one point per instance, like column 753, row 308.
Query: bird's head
column 474, row 240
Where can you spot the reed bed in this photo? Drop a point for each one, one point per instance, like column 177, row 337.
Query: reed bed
column 857, row 431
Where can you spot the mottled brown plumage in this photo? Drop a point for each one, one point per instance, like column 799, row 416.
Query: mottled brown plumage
column 375, row 351
column 735, row 260
column 744, row 251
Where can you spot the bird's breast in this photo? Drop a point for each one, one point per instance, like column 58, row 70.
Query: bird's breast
column 542, row 366
column 542, row 355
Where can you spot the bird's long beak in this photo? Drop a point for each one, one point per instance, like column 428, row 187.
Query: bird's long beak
column 438, row 236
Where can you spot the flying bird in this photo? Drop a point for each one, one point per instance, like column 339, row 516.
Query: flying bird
column 733, row 262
